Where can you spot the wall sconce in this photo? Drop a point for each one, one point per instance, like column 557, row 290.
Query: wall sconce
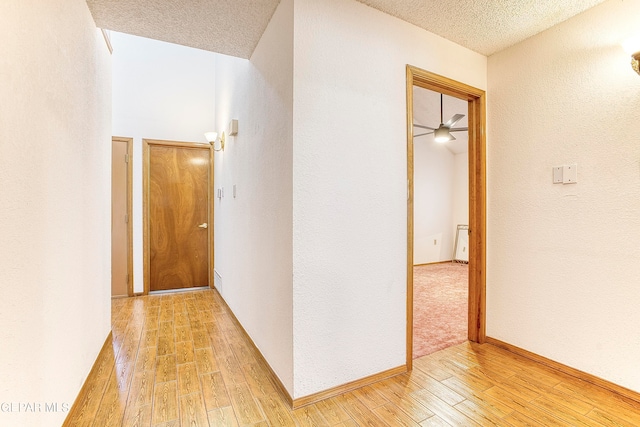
column 212, row 137
column 632, row 47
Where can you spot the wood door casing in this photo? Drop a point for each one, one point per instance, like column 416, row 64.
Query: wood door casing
column 476, row 99
column 178, row 202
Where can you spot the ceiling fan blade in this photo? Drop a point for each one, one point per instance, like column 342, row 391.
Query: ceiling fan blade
column 458, row 129
column 453, row 120
column 453, row 138
column 423, row 127
column 422, row 134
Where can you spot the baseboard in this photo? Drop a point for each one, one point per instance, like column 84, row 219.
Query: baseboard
column 433, row 263
column 592, row 379
column 316, row 397
column 90, row 378
column 283, row 390
column 345, row 388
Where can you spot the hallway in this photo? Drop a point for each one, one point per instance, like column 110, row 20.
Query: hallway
column 181, row 359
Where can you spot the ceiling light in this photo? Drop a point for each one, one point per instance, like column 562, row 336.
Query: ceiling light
column 442, row 134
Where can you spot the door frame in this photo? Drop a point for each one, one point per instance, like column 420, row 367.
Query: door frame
column 146, row 169
column 476, row 99
column 129, row 161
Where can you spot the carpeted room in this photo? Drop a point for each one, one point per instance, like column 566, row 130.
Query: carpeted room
column 441, row 206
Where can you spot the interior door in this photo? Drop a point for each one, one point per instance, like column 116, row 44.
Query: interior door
column 120, row 242
column 178, row 214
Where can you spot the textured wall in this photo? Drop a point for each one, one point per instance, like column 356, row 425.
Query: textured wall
column 440, row 200
column 55, row 153
column 563, row 261
column 160, row 91
column 460, row 190
column 253, row 230
column 350, row 184
column 433, row 195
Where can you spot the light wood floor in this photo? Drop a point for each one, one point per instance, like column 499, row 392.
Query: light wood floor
column 181, row 360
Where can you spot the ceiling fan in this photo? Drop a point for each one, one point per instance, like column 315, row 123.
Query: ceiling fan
column 443, row 132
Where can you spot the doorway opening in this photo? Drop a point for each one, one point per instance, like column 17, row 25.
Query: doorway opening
column 475, row 113
column 177, row 215
column 441, row 218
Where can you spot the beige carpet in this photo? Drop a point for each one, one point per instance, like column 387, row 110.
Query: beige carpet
column 440, row 306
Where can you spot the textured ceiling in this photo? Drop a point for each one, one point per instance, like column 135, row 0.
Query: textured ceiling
column 233, row 27
column 485, row 26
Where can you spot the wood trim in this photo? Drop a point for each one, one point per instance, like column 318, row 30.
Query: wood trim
column 283, row 390
column 477, row 220
column 146, row 261
column 410, row 220
column 477, row 197
column 350, row 386
column 107, row 39
column 90, row 380
column 316, row 397
column 129, row 142
column 130, row 214
column 181, row 144
column 211, row 218
column 568, row 370
column 146, row 143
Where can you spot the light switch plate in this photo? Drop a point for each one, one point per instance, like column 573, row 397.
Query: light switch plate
column 557, row 175
column 232, row 129
column 570, row 174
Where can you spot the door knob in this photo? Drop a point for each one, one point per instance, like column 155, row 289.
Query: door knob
column 203, row 225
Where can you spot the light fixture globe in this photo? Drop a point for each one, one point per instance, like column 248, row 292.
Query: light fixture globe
column 442, row 134
column 211, row 137
column 635, row 62
column 632, row 47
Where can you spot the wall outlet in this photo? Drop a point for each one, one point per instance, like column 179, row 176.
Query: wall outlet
column 567, row 174
column 557, row 174
column 570, row 174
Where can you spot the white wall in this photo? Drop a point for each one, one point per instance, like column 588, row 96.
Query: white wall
column 350, row 184
column 563, row 260
column 441, row 178
column 160, row 91
column 440, row 200
column 55, row 146
column 433, row 196
column 460, row 190
column 253, row 243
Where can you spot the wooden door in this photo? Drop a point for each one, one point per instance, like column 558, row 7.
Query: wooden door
column 178, row 212
column 120, row 237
